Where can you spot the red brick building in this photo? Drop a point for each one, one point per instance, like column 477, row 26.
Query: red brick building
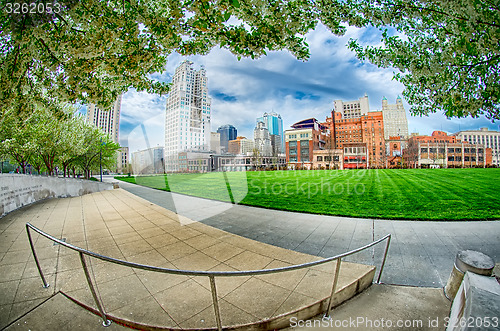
column 367, row 129
column 442, row 151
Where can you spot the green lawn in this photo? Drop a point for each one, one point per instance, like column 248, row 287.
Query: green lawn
column 423, row 194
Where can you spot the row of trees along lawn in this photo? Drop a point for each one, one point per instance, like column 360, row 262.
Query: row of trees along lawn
column 50, row 138
column 445, row 53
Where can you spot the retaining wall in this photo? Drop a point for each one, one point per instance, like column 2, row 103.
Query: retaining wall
column 17, row 190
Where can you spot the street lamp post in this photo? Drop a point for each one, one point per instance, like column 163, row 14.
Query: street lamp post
column 100, row 163
column 100, row 160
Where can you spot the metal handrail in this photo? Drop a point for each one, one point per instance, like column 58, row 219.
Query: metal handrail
column 210, row 274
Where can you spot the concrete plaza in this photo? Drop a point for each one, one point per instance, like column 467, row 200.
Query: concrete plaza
column 180, row 232
column 421, row 253
column 120, row 225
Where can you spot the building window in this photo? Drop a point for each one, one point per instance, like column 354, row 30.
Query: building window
column 423, row 150
column 432, row 150
column 320, row 158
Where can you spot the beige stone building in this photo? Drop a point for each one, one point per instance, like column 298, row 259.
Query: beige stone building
column 395, row 121
column 489, row 139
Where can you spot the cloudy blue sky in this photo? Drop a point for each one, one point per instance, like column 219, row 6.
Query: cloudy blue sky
column 243, row 90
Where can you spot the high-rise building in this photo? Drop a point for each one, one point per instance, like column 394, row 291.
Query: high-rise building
column 215, row 142
column 107, row 120
column 489, row 139
column 187, row 117
column 352, row 109
column 227, row 132
column 395, row 122
column 276, row 146
column 274, row 123
column 262, row 140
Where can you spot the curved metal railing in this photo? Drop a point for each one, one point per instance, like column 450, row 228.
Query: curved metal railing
column 210, row 274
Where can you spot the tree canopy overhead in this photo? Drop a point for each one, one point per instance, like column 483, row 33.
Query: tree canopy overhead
column 446, row 52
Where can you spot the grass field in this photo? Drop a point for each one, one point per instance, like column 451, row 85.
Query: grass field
column 419, row 194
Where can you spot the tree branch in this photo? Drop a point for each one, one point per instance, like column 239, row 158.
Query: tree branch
column 445, row 14
column 50, row 51
column 470, row 66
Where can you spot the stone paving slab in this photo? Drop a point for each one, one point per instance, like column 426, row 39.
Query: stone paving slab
column 386, row 307
column 59, row 313
column 121, row 225
column 422, row 253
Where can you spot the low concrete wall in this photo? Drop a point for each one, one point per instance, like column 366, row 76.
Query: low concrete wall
column 18, row 190
column 476, row 305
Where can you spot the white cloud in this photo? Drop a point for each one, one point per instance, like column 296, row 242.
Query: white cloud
column 148, row 133
column 140, row 106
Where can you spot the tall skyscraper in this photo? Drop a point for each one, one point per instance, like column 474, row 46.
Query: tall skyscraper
column 107, row 120
column 187, row 117
column 353, row 109
column 227, row 132
column 395, row 122
column 262, row 140
column 274, row 123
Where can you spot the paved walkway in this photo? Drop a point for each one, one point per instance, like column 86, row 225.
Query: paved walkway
column 421, row 253
column 121, row 225
column 383, row 305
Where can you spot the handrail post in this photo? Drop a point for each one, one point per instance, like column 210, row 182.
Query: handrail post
column 45, row 284
column 384, row 259
column 216, row 302
column 334, row 287
column 106, row 321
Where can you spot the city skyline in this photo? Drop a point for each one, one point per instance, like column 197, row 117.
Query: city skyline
column 243, row 90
